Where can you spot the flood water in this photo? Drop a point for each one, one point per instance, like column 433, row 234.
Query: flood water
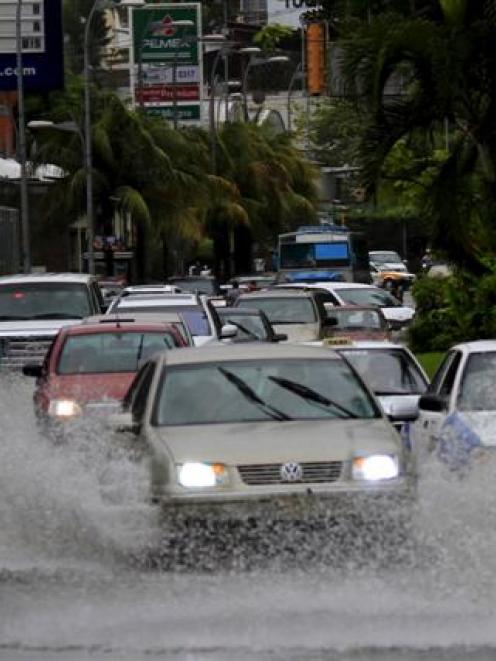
column 81, row 576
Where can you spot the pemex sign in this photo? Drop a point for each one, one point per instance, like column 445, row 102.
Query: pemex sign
column 167, row 60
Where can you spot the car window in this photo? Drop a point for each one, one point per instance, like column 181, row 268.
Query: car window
column 284, row 310
column 369, row 296
column 110, row 352
column 446, row 384
column 250, row 326
column 387, row 371
column 195, row 317
column 45, row 300
column 477, row 392
column 359, row 319
column 247, row 391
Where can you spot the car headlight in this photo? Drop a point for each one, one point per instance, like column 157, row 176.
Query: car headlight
column 201, row 475
column 376, row 467
column 64, row 408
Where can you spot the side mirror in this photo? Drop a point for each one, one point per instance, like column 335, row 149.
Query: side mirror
column 279, row 337
column 123, row 422
column 33, row 369
column 432, row 402
column 228, row 331
column 330, row 322
column 406, row 411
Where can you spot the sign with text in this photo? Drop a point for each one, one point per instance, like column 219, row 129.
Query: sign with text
column 167, row 54
column 288, row 12
column 41, row 44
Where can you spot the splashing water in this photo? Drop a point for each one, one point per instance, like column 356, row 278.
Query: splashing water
column 74, row 518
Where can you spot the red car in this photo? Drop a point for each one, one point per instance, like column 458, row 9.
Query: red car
column 90, row 366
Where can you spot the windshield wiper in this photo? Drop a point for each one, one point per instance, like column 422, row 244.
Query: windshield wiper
column 243, row 329
column 56, row 315
column 252, row 396
column 7, row 317
column 312, row 395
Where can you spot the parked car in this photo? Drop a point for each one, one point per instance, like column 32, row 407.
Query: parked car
column 34, row 306
column 457, row 414
column 355, row 322
column 192, row 308
column 251, row 325
column 243, row 430
column 90, row 366
column 298, row 314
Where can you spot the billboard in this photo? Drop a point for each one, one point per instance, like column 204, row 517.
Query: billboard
column 42, row 45
column 167, row 60
column 288, row 12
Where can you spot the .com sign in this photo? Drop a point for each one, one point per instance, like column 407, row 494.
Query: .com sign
column 288, row 12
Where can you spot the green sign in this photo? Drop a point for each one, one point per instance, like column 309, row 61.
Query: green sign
column 157, row 38
column 184, row 113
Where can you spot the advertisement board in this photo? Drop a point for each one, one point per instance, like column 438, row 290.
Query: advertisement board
column 288, row 12
column 42, row 45
column 167, row 60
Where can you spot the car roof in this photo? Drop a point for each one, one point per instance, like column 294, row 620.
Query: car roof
column 186, row 278
column 91, row 328
column 275, row 293
column 477, row 346
column 372, row 344
column 21, row 278
column 249, row 351
column 155, row 300
column 145, row 317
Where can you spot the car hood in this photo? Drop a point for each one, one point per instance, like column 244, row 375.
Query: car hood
column 273, row 442
column 38, row 327
column 86, row 388
column 481, row 423
column 298, row 332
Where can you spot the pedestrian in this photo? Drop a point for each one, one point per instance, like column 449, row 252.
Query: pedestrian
column 233, row 293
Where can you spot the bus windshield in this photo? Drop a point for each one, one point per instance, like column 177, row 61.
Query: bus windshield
column 320, row 254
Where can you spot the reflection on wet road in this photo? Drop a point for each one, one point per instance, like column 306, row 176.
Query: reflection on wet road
column 81, row 577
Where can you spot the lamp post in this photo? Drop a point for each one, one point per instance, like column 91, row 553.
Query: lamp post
column 297, row 75
column 21, row 147
column 88, row 156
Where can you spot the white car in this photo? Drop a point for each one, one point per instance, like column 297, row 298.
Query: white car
column 192, row 308
column 387, row 260
column 258, row 429
column 457, row 415
column 356, row 293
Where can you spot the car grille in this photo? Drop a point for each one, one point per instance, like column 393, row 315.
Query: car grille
column 18, row 351
column 312, row 473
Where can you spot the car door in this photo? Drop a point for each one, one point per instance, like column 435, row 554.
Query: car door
column 429, row 422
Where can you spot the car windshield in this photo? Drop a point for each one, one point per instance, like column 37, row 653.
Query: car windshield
column 194, row 316
column 385, row 257
column 477, row 391
column 359, row 319
column 284, row 310
column 250, row 326
column 368, row 296
column 260, row 390
column 196, row 285
column 44, row 300
column 110, row 352
column 387, row 371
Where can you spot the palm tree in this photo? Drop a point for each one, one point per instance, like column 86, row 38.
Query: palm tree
column 449, row 69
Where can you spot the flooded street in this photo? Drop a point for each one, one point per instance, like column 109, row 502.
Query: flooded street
column 77, row 581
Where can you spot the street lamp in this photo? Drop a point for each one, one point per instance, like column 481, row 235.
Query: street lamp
column 256, row 61
column 21, row 146
column 88, row 163
column 297, row 75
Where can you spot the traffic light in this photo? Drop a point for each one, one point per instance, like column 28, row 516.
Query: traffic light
column 316, row 58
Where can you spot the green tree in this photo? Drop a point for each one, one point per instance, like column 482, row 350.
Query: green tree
column 449, row 74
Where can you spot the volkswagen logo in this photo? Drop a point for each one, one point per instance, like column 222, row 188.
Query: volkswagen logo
column 291, row 472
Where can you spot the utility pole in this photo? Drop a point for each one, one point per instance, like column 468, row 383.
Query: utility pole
column 21, row 146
